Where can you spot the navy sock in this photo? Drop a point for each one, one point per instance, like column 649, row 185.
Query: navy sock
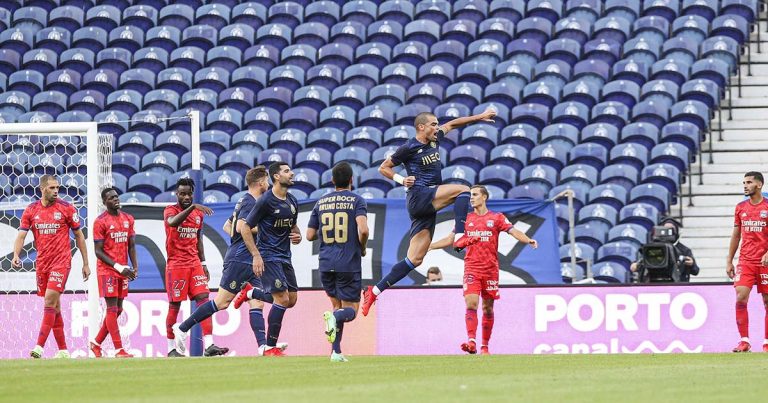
column 262, row 296
column 344, row 315
column 337, row 342
column 257, row 325
column 460, row 210
column 275, row 320
column 202, row 312
column 398, row 272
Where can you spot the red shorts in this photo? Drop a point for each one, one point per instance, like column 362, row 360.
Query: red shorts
column 484, row 285
column 186, row 282
column 748, row 275
column 53, row 279
column 113, row 286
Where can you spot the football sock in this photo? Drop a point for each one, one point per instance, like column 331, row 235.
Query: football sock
column 103, row 332
column 257, row 325
column 460, row 210
column 275, row 319
column 49, row 317
column 58, row 331
column 344, row 315
column 742, row 319
column 170, row 320
column 171, row 345
column 114, row 330
column 260, row 295
column 766, row 322
column 203, row 312
column 337, row 342
column 398, row 272
column 207, row 340
column 487, row 328
column 471, row 320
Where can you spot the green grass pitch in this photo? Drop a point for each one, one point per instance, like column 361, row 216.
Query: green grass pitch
column 525, row 378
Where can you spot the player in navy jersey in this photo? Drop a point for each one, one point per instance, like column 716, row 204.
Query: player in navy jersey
column 275, row 214
column 341, row 218
column 426, row 193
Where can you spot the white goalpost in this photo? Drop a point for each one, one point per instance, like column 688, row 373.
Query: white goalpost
column 81, row 160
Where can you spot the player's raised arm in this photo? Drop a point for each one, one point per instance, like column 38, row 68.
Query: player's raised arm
column 486, row 116
column 176, row 220
column 520, row 236
column 443, row 243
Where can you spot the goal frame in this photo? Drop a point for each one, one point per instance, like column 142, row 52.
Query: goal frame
column 93, row 198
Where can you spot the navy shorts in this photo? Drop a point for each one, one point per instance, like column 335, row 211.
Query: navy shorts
column 236, row 274
column 278, row 276
column 421, row 210
column 345, row 286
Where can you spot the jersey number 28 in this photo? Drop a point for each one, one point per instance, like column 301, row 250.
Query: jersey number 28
column 334, row 227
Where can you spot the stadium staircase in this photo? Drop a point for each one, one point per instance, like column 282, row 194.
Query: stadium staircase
column 742, row 146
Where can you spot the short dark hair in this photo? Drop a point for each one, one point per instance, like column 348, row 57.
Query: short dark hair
column 342, row 174
column 422, row 118
column 274, row 169
column 255, row 174
column 186, row 182
column 107, row 190
column 482, row 190
column 433, row 270
column 757, row 175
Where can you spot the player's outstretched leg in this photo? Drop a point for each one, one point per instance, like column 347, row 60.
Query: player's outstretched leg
column 458, row 195
column 248, row 293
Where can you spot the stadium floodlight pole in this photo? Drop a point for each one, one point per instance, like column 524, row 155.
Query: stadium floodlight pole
column 93, row 196
column 196, row 341
column 571, row 223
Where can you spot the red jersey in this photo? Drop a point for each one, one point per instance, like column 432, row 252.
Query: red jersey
column 114, row 231
column 752, row 220
column 181, row 241
column 50, row 227
column 482, row 257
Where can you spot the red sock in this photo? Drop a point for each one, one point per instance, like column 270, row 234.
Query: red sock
column 170, row 320
column 103, row 331
column 742, row 319
column 766, row 321
column 111, row 322
column 487, row 328
column 207, row 324
column 49, row 317
column 471, row 319
column 58, row 331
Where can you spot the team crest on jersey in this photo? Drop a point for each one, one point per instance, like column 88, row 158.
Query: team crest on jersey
column 489, row 223
column 763, row 214
column 125, row 224
column 293, row 209
column 233, row 285
column 75, row 218
column 57, row 216
column 432, row 144
column 278, row 283
column 197, row 220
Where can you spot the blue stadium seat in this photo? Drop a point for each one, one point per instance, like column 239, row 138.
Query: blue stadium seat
column 731, row 26
column 51, row 102
column 722, row 48
column 208, row 163
column 703, row 90
column 175, row 141
column 535, row 29
column 660, row 91
column 502, row 93
column 318, row 159
column 306, row 180
column 473, row 10
column 29, row 82
column 41, row 60
column 590, row 234
column 88, row 101
column 369, row 193
column 592, row 154
column 139, row 143
column 674, row 154
column 612, row 113
column 302, row 56
column 640, row 133
column 643, row 214
column 502, row 176
column 266, row 157
column 112, row 121
column 571, row 114
column 623, row 175
column 459, row 174
column 387, row 32
column 582, row 251
column 140, row 16
column 91, row 38
column 706, row 8
column 541, row 93
column 536, row 115
column 354, row 155
column 691, row 111
column 609, row 272
column 253, row 14
column 632, row 233
column 149, row 183
column 226, row 181
column 215, row 141
column 167, row 38
column 524, row 135
column 406, row 114
column 604, row 50
column 663, row 174
column 653, row 194
column 513, row 10
column 214, row 196
column 579, row 173
column 367, row 137
column 499, row 29
column 670, row 69
column 543, row 174
column 125, row 163
column 398, row 135
column 746, row 9
column 135, row 197
column 463, row 31
column 162, row 162
column 551, row 154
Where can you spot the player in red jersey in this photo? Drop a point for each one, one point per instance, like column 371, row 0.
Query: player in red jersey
column 749, row 228
column 50, row 221
column 113, row 236
column 185, row 273
column 481, row 263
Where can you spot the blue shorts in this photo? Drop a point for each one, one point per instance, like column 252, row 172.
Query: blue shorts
column 278, row 276
column 345, row 286
column 420, row 208
column 236, row 274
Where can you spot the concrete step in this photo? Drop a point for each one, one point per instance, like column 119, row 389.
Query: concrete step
column 747, row 102
column 738, row 135
column 707, row 253
column 755, row 90
column 739, row 157
column 711, row 211
column 711, row 262
column 719, row 222
column 710, row 275
column 717, row 232
column 714, row 201
column 699, row 190
column 741, row 122
column 736, row 169
column 737, row 145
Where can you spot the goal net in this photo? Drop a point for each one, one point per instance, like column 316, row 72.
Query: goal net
column 80, row 158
